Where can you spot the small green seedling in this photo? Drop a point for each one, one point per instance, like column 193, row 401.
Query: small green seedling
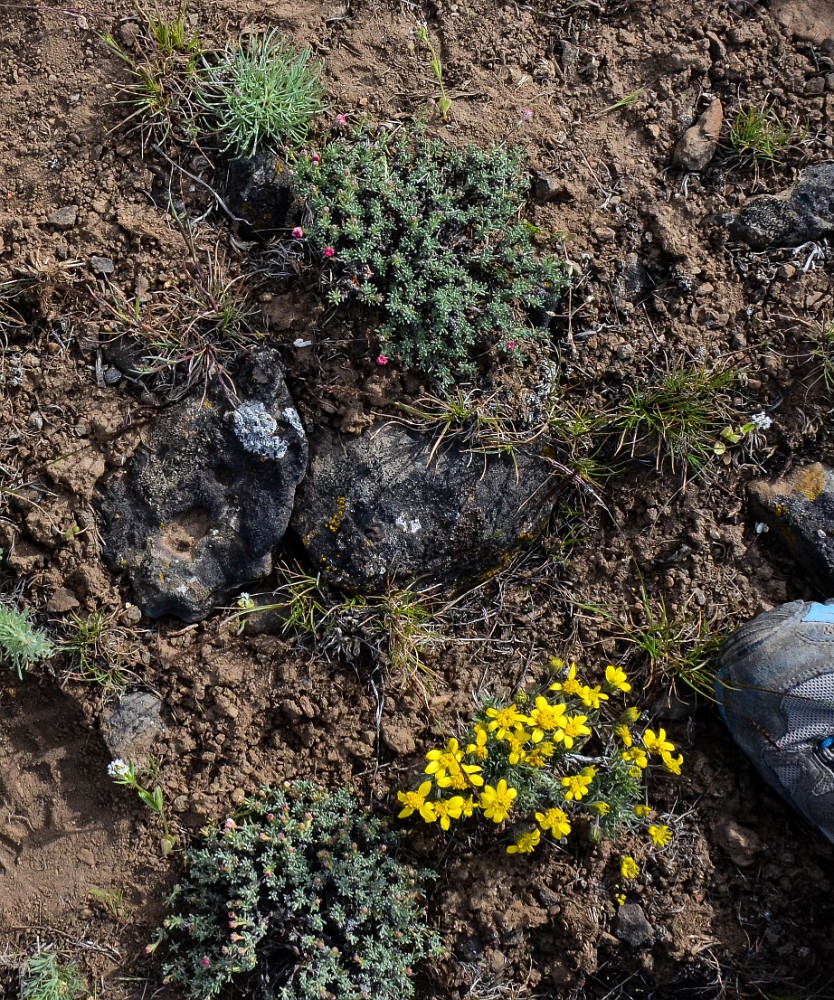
column 762, row 134
column 125, row 773
column 46, row 977
column 437, row 69
column 21, row 644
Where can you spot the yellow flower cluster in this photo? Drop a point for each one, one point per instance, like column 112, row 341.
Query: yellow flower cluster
column 508, row 765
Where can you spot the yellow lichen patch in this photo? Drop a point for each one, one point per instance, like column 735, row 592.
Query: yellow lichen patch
column 338, row 515
column 810, row 482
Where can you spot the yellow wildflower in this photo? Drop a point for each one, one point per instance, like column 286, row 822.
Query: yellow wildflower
column 630, row 715
column 671, row 763
column 416, row 802
column 461, row 776
column 624, row 733
column 555, row 820
column 526, row 843
column 479, row 747
column 657, row 744
column 629, row 867
column 468, row 807
column 573, row 728
column 600, row 808
column 546, row 717
column 504, row 720
column 642, row 811
column 516, row 739
column 620, row 898
column 570, row 685
column 497, row 802
column 661, row 835
column 592, row 696
column 616, row 678
column 443, row 761
column 449, row 809
column 577, row 785
column 636, row 755
column 540, row 756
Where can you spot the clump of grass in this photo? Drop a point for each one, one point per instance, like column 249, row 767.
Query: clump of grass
column 188, row 334
column 762, row 134
column 679, row 415
column 46, row 977
column 166, row 73
column 263, row 92
column 675, row 647
column 100, row 651
column 822, row 352
column 395, row 630
column 21, row 644
column 431, row 237
column 297, row 896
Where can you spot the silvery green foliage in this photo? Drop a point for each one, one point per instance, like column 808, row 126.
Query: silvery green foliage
column 297, row 899
column 432, row 237
column 263, row 92
column 21, row 644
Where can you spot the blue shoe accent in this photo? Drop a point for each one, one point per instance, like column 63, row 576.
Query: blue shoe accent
column 823, row 614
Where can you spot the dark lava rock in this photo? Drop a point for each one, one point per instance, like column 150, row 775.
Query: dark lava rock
column 129, row 728
column 200, row 506
column 800, row 511
column 259, row 190
column 802, row 213
column 380, row 507
column 630, row 925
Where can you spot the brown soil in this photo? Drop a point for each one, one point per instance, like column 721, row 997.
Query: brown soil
column 741, row 902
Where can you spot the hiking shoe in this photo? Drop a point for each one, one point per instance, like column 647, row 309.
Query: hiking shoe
column 775, row 687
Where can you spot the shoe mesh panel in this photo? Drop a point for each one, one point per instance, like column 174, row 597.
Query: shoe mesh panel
column 809, row 711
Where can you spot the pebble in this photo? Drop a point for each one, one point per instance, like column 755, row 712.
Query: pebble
column 238, row 796
column 86, row 856
column 630, row 925
column 131, row 615
column 35, row 421
column 64, row 217
column 101, row 265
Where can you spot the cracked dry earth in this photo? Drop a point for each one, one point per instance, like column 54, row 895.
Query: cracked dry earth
column 740, row 905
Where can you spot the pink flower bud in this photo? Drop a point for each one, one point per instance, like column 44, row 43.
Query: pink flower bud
column 329, row 252
column 341, row 121
column 297, row 233
column 382, row 360
column 315, row 158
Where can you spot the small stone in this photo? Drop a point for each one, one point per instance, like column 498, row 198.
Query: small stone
column 101, row 265
column 238, row 796
column 814, row 86
column 630, row 925
column 131, row 615
column 82, row 22
column 625, row 352
column 741, row 843
column 35, row 421
column 86, row 857
column 698, row 144
column 64, row 217
column 805, row 212
column 62, row 600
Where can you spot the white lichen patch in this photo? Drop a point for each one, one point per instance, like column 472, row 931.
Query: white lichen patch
column 412, row 525
column 255, row 428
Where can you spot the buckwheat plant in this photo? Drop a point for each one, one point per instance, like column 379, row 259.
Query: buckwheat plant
column 432, row 237
column 297, row 898
column 525, row 763
column 21, row 644
column 127, row 774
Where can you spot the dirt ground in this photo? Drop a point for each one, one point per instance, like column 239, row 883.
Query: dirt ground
column 741, row 902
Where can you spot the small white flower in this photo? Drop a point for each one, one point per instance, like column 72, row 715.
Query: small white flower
column 761, row 528
column 761, row 421
column 299, row 342
column 118, row 768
